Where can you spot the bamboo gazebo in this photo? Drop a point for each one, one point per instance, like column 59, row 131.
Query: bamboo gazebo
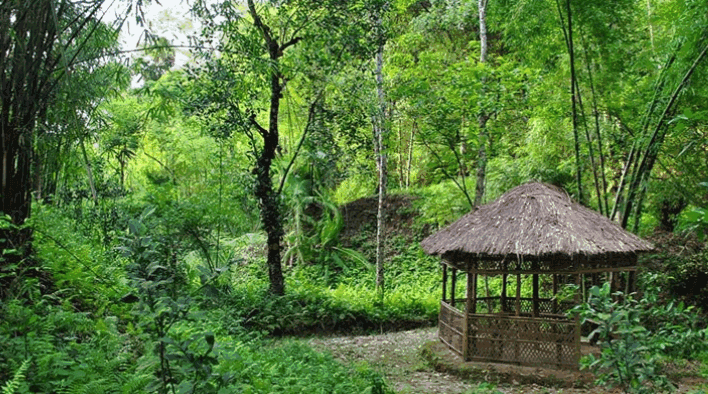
column 539, row 238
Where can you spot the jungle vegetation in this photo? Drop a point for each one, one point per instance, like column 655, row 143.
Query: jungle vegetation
column 166, row 228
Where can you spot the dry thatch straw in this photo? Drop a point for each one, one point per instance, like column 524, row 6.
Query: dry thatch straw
column 533, row 221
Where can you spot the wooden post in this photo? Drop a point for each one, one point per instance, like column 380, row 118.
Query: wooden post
column 535, row 296
column 555, row 291
column 554, row 306
column 518, row 313
column 468, row 308
column 577, row 328
column 474, row 293
column 502, row 298
column 452, row 287
column 518, row 294
column 444, row 280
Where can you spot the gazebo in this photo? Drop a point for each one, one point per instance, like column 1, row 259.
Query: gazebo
column 526, row 246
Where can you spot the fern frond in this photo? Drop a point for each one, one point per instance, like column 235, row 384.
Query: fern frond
column 97, row 386
column 12, row 385
column 137, row 384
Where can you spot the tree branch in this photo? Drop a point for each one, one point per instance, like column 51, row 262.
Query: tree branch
column 258, row 22
column 310, row 120
column 442, row 167
column 261, row 130
column 290, row 43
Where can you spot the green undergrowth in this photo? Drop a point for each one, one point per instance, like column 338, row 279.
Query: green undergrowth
column 48, row 349
column 124, row 316
column 321, row 300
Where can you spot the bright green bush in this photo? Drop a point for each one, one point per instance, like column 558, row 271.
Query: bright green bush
column 637, row 335
column 356, row 187
column 681, row 277
column 443, row 203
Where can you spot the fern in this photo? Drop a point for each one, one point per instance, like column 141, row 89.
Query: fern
column 12, row 385
column 137, row 384
column 97, row 386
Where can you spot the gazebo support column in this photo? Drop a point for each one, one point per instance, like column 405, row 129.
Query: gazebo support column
column 469, row 302
column 577, row 327
column 518, row 294
column 474, row 294
column 518, row 312
column 555, row 292
column 535, row 296
column 452, row 287
column 502, row 298
column 444, row 282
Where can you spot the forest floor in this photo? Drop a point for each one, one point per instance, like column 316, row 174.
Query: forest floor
column 399, row 357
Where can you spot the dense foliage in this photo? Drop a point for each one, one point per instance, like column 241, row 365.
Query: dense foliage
column 164, row 227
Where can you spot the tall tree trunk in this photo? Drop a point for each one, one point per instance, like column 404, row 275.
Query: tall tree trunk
column 380, row 131
column 409, row 164
column 645, row 165
column 631, row 165
column 89, row 172
column 483, row 116
column 574, row 99
column 27, row 31
column 268, row 198
column 400, row 161
column 598, row 135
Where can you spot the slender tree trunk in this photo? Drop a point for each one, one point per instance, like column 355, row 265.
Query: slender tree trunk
column 89, row 172
column 633, row 158
column 410, row 155
column 651, row 26
column 598, row 135
column 268, row 198
column 16, row 185
column 483, row 116
column 27, row 55
column 574, row 99
column 482, row 7
column 380, row 131
column 650, row 154
column 271, row 217
column 591, row 150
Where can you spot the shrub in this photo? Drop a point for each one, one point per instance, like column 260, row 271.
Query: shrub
column 626, row 359
column 683, row 277
column 637, row 335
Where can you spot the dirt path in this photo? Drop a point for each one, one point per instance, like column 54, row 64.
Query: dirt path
column 397, row 356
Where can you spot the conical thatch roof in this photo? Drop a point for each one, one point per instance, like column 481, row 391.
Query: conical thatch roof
column 534, row 220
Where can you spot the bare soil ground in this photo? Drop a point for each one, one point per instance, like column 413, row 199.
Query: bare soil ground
column 399, row 356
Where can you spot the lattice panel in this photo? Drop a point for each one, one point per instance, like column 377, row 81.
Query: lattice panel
column 450, row 325
column 550, row 264
column 493, row 305
column 545, row 305
column 488, row 305
column 524, row 341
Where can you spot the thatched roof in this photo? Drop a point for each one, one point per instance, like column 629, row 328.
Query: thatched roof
column 534, row 220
